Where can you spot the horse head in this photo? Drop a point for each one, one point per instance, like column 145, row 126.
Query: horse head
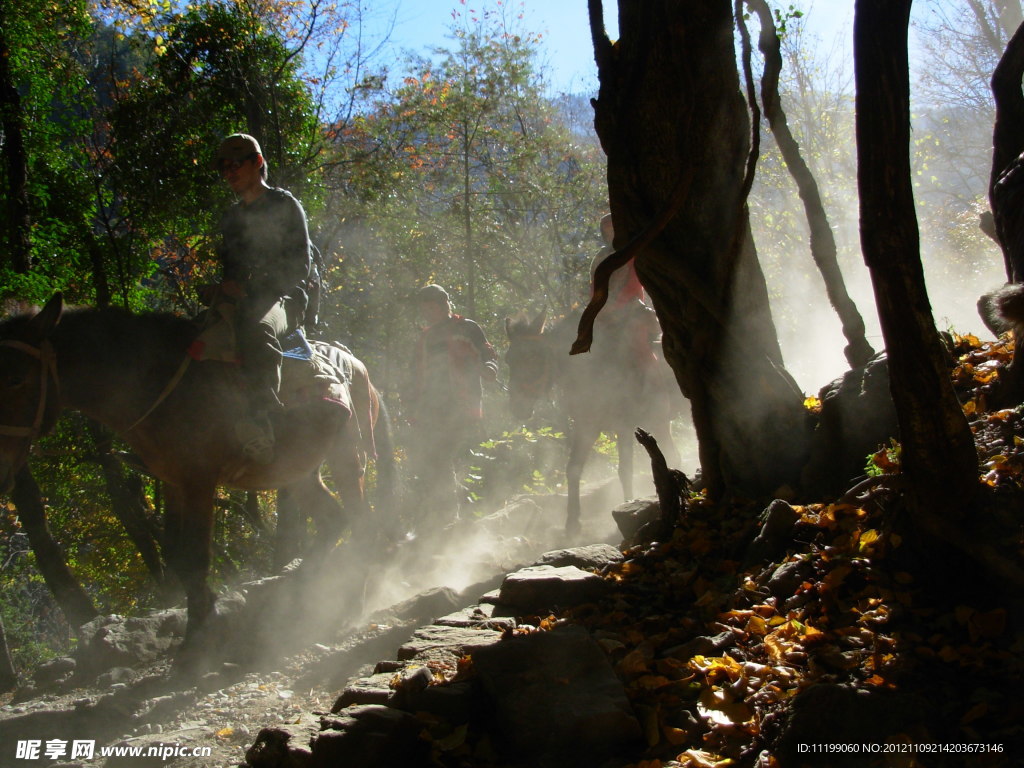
column 530, row 370
column 29, row 400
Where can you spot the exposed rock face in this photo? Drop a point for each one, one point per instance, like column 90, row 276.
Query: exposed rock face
column 113, row 641
column 594, row 557
column 446, row 643
column 556, row 698
column 284, row 746
column 547, row 697
column 857, row 416
column 540, row 588
column 370, row 735
column 634, row 515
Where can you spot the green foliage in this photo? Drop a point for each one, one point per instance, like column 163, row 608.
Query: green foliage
column 219, row 71
column 519, row 461
column 240, row 551
column 36, row 630
column 885, row 461
column 525, row 460
column 466, row 174
column 78, row 510
column 782, row 18
column 53, row 106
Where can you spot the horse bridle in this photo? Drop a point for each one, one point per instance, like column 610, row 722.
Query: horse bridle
column 48, row 365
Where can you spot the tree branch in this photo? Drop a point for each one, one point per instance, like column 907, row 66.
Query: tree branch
column 823, row 244
column 602, row 45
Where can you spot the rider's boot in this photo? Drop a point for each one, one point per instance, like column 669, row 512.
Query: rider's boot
column 256, row 432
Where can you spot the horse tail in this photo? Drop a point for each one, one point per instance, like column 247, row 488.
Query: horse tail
column 387, row 468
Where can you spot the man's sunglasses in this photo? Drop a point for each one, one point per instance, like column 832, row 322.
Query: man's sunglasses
column 224, row 165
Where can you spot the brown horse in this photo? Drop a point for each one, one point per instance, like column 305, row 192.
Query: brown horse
column 605, row 390
column 125, row 371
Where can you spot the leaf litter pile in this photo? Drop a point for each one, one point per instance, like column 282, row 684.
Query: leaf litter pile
column 838, row 647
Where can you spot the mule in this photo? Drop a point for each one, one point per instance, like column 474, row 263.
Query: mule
column 127, row 372
column 606, row 390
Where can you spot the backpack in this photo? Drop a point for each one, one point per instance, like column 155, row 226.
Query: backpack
column 314, row 286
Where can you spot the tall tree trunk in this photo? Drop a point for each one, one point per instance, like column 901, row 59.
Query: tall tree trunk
column 939, row 456
column 823, row 242
column 72, row 599
column 1007, row 146
column 1007, row 197
column 101, row 285
column 8, row 674
column 19, row 221
column 675, row 129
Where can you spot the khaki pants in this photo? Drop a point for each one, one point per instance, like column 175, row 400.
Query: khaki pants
column 260, row 327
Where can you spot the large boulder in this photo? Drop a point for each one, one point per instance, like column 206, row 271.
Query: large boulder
column 370, row 735
column 857, row 417
column 114, row 641
column 594, row 557
column 444, row 643
column 541, row 588
column 633, row 515
column 288, row 745
column 556, row 699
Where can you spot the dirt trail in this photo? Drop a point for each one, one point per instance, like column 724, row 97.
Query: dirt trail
column 210, row 722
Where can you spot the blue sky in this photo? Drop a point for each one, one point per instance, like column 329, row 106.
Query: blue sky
column 563, row 24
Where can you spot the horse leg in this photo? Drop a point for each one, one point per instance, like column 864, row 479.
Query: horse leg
column 327, row 514
column 291, row 528
column 311, row 498
column 662, row 411
column 583, row 438
column 348, row 468
column 188, row 535
column 625, row 446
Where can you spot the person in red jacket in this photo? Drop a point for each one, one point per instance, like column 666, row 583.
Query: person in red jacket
column 445, row 403
column 626, row 321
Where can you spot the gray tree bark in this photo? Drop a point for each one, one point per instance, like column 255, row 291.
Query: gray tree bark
column 675, row 129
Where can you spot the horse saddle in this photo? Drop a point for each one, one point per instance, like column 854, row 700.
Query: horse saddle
column 305, row 374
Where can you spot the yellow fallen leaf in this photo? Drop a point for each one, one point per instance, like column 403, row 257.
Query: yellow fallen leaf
column 719, row 706
column 757, row 626
column 698, row 758
column 867, row 538
column 776, row 648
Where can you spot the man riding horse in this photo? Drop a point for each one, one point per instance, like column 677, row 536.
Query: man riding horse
column 264, row 249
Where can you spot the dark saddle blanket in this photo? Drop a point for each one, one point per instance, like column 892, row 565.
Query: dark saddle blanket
column 306, row 374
